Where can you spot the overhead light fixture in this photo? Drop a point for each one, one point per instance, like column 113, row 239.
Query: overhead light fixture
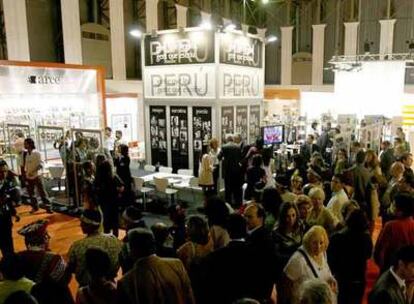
column 135, row 33
column 271, row 39
column 206, row 25
column 265, row 1
column 230, row 27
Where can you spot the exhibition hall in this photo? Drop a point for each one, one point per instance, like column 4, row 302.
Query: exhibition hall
column 206, row 151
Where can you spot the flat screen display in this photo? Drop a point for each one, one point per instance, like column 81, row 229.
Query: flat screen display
column 273, row 134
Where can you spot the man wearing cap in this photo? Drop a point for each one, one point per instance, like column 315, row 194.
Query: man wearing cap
column 10, row 194
column 39, row 263
column 90, row 223
column 153, row 280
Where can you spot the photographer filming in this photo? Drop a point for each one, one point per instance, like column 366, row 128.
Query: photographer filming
column 10, row 195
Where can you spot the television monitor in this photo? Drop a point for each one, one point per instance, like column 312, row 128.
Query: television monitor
column 273, row 134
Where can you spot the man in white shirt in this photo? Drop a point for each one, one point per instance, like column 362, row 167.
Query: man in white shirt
column 339, row 197
column 109, row 141
column 32, row 166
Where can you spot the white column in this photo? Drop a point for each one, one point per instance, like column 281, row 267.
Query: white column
column 351, row 38
column 205, row 17
column 181, row 15
column 116, row 17
column 387, row 36
column 318, row 45
column 261, row 32
column 17, row 36
column 286, row 71
column 151, row 15
column 72, row 42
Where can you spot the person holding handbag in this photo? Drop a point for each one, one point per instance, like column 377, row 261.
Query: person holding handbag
column 308, row 262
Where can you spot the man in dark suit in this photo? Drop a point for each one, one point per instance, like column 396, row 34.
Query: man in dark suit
column 307, row 149
column 153, row 280
column 407, row 161
column 260, row 241
column 230, row 153
column 386, row 158
column 391, row 287
column 361, row 179
column 229, row 273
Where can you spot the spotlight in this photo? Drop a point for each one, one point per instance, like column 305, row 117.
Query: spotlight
column 271, row 39
column 135, row 33
column 206, row 25
column 230, row 27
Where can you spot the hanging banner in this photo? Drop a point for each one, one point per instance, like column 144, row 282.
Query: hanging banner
column 179, row 48
column 240, row 50
column 158, row 135
column 202, row 132
column 227, row 122
column 254, row 130
column 179, row 137
column 187, row 81
column 240, row 82
column 241, row 122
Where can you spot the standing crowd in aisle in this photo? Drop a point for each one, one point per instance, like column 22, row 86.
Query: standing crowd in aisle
column 300, row 235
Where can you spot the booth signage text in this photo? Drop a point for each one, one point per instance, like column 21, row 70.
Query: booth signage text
column 188, row 81
column 241, row 50
column 241, row 82
column 179, row 48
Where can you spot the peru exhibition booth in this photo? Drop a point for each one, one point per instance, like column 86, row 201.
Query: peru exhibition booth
column 199, row 84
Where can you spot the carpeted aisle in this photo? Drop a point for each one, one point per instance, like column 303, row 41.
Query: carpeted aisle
column 372, row 268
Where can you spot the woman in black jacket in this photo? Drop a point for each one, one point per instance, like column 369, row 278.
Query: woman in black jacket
column 348, row 252
column 109, row 189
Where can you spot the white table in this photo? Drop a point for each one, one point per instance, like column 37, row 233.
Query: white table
column 174, row 180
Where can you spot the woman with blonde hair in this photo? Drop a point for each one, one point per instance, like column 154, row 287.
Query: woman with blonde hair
column 320, row 215
column 308, row 262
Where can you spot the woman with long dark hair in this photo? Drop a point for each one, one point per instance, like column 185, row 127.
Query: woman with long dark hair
column 288, row 234
column 122, row 162
column 109, row 188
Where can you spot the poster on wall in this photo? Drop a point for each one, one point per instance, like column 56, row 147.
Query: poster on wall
column 202, row 132
column 123, row 123
column 254, row 127
column 227, row 122
column 179, row 138
column 158, row 135
column 241, row 122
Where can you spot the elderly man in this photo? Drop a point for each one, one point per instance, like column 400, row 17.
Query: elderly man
column 230, row 153
column 153, row 280
column 90, row 222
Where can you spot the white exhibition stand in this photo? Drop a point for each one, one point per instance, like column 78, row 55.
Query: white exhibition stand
column 199, row 84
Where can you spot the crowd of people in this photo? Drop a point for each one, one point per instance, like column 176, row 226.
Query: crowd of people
column 302, row 235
